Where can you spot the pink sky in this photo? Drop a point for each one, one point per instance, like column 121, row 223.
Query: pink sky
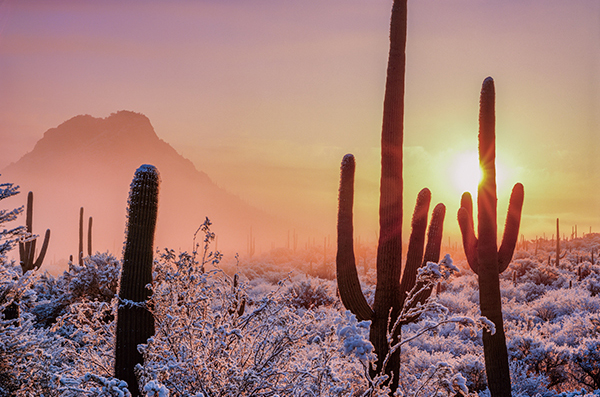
column 267, row 96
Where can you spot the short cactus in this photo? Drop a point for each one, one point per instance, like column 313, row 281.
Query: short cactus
column 27, row 248
column 135, row 323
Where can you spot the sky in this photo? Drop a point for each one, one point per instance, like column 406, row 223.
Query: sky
column 267, row 96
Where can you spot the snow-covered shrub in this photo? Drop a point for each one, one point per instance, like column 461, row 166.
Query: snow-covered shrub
column 95, row 280
column 203, row 344
column 586, row 358
column 310, row 293
column 9, row 237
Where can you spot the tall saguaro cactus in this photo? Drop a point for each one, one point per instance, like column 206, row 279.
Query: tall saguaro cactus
column 482, row 253
column 135, row 323
column 390, row 291
column 27, row 248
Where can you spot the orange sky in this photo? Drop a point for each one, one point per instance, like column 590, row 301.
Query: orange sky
column 267, row 96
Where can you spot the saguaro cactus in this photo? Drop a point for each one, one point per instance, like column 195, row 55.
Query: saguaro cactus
column 558, row 254
column 482, row 253
column 27, row 248
column 390, row 291
column 135, row 323
column 80, row 250
column 89, row 239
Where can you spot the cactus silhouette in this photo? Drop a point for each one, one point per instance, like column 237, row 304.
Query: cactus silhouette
column 135, row 323
column 89, row 239
column 27, row 248
column 482, row 253
column 390, row 291
column 558, row 255
column 80, row 250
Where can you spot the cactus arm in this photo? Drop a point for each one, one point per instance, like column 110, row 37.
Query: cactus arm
column 42, row 254
column 434, row 234
column 347, row 276
column 432, row 251
column 465, row 221
column 416, row 244
column 511, row 229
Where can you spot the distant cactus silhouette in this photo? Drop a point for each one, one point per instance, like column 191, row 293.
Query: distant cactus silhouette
column 390, row 291
column 27, row 248
column 135, row 323
column 558, row 255
column 251, row 246
column 89, row 239
column 482, row 253
column 80, row 250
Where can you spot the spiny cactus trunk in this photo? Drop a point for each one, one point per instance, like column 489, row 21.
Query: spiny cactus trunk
column 389, row 250
column 490, row 300
column 390, row 293
column 482, row 253
column 135, row 323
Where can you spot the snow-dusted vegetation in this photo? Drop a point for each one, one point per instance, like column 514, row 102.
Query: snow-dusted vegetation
column 225, row 331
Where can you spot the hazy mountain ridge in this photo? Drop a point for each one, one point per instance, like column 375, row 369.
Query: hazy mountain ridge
column 89, row 162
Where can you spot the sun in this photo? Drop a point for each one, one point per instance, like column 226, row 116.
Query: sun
column 466, row 172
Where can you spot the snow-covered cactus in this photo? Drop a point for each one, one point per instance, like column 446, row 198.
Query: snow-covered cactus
column 390, row 292
column 27, row 248
column 135, row 323
column 482, row 253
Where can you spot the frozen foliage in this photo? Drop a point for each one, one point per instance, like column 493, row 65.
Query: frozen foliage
column 223, row 335
column 211, row 339
column 205, row 343
column 95, row 280
column 9, row 237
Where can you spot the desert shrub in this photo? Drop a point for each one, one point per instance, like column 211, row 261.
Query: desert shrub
column 203, row 343
column 310, row 293
column 95, row 280
column 586, row 358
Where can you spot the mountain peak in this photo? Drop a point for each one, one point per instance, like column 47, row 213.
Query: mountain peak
column 83, row 136
column 88, row 162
